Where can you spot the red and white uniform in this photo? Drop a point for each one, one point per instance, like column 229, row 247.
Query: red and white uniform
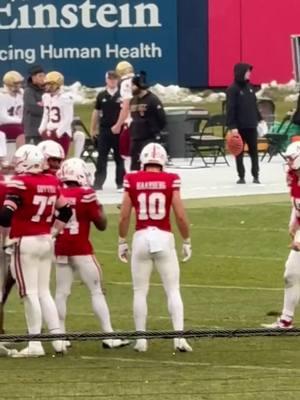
column 74, row 240
column 3, row 269
column 151, row 195
column 58, row 113
column 11, row 114
column 153, row 243
column 74, row 253
column 38, row 194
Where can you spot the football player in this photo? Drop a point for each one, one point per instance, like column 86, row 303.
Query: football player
column 73, row 249
column 11, row 113
column 292, row 270
column 54, row 155
column 126, row 72
column 29, row 205
column 152, row 192
column 4, row 351
column 58, row 111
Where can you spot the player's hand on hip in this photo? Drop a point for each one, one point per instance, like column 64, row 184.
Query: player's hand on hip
column 186, row 250
column 123, row 250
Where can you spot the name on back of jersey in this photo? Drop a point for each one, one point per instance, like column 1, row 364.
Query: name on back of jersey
column 151, row 185
column 46, row 189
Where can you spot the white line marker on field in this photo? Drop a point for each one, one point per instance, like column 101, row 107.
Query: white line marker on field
column 246, row 257
column 195, row 286
column 191, row 364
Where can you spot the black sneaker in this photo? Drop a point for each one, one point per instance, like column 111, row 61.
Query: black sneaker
column 256, row 180
column 241, row 181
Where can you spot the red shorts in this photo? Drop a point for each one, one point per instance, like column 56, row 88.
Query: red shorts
column 64, row 140
column 124, row 143
column 12, row 131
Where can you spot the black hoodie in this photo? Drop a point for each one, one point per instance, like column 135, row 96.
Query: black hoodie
column 241, row 106
column 33, row 110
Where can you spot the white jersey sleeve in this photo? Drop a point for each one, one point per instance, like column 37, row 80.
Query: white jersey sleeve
column 58, row 114
column 66, row 104
column 126, row 89
column 11, row 108
column 44, row 121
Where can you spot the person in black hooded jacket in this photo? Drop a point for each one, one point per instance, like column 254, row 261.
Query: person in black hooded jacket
column 242, row 116
column 33, row 108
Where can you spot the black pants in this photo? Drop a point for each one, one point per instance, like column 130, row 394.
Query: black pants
column 249, row 137
column 107, row 141
column 136, row 147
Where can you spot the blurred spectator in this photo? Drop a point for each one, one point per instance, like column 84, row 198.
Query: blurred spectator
column 33, row 107
column 148, row 118
column 104, row 117
column 11, row 114
column 243, row 117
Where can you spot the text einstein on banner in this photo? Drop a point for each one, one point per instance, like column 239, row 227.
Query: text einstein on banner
column 85, row 38
column 86, row 14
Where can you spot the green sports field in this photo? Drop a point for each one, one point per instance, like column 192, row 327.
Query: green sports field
column 233, row 281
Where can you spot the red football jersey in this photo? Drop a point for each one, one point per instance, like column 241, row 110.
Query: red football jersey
column 38, row 194
column 74, row 240
column 295, row 193
column 292, row 180
column 151, row 195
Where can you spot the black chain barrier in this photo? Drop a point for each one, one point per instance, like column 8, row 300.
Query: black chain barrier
column 192, row 334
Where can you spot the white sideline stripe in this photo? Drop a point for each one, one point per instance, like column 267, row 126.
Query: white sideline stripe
column 257, row 258
column 237, row 228
column 195, row 286
column 192, row 364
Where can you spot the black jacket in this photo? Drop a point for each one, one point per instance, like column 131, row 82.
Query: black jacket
column 109, row 107
column 33, row 112
column 241, row 105
column 148, row 117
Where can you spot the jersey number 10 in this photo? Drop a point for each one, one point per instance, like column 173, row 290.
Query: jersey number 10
column 152, row 206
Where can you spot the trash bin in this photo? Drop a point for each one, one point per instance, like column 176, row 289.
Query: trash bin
column 178, row 124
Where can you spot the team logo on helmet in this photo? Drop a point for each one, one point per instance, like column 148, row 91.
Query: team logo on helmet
column 28, row 159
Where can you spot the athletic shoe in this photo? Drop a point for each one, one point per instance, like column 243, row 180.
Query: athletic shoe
column 32, row 350
column 182, row 345
column 279, row 324
column 241, row 181
column 5, row 352
column 59, row 346
column 120, row 189
column 256, row 180
column 141, row 345
column 114, row 343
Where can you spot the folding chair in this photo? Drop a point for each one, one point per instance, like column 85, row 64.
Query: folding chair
column 205, row 143
column 89, row 153
column 277, row 141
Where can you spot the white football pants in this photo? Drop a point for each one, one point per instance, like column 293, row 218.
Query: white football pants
column 292, row 285
column 31, row 267
column 3, row 271
column 78, row 141
column 153, row 247
column 90, row 273
column 3, row 145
